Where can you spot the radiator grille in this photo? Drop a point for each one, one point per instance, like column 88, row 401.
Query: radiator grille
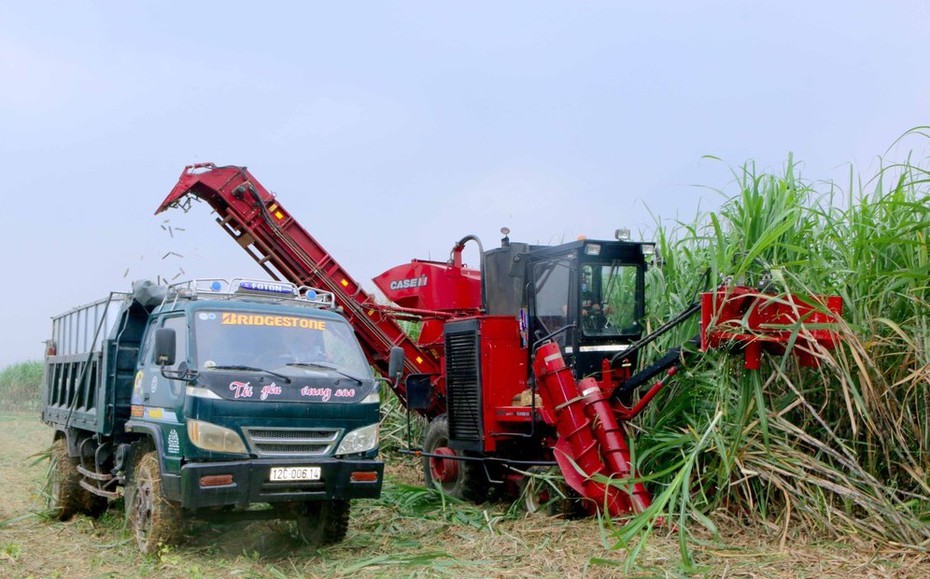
column 463, row 385
column 292, row 441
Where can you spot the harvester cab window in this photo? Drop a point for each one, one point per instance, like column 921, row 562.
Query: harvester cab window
column 551, row 281
column 609, row 299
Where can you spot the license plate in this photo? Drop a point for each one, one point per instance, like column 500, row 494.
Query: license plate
column 289, row 473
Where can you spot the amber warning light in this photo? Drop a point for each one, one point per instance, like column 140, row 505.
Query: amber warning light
column 364, row 476
column 216, row 480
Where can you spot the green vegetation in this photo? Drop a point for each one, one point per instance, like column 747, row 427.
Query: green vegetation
column 410, row 532
column 841, row 451
column 21, row 387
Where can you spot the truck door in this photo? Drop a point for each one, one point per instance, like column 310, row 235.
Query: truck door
column 152, row 390
column 160, row 398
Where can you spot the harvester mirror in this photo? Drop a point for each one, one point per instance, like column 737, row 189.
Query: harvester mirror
column 396, row 363
column 165, row 344
column 418, row 391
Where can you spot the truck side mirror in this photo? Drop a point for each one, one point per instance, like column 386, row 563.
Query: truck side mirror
column 396, row 363
column 165, row 345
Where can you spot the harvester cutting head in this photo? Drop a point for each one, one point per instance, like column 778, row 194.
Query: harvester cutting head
column 743, row 318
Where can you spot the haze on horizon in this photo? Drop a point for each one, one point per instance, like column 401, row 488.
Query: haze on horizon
column 393, row 129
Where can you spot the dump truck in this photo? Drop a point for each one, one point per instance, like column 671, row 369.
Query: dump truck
column 211, row 399
column 530, row 361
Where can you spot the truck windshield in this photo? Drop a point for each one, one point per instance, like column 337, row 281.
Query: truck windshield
column 272, row 341
column 609, row 299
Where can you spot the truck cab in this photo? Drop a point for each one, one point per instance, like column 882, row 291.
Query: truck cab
column 249, row 396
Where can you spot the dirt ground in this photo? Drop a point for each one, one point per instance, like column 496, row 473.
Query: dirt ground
column 407, row 533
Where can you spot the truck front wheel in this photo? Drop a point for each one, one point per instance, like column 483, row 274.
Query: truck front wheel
column 154, row 520
column 323, row 522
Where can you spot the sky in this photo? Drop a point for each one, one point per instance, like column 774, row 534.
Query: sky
column 392, row 129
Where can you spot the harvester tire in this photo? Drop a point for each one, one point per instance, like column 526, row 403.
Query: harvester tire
column 463, row 479
column 540, row 489
column 155, row 521
column 323, row 522
column 571, row 506
column 544, row 490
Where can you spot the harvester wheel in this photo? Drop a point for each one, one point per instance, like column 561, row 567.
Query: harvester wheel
column 154, row 520
column 540, row 489
column 64, row 496
column 462, row 479
column 323, row 522
column 544, row 490
column 570, row 506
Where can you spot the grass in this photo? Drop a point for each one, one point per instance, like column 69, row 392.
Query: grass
column 841, row 451
column 410, row 532
column 21, row 387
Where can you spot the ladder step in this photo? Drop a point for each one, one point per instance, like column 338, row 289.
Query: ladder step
column 99, row 492
column 101, row 476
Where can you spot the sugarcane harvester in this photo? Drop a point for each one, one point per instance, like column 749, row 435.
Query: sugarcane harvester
column 529, row 361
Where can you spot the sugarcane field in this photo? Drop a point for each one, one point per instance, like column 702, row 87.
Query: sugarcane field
column 496, row 290
column 789, row 469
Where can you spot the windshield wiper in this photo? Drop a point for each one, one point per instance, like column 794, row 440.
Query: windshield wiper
column 253, row 369
column 328, row 367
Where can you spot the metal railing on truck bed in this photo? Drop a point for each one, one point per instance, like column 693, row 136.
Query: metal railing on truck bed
column 78, row 363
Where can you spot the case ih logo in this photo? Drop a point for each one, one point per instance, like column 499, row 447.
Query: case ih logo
column 413, row 282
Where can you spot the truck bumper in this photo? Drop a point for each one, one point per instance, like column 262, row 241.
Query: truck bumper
column 251, row 483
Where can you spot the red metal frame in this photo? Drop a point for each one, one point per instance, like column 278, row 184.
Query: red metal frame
column 760, row 322
column 261, row 226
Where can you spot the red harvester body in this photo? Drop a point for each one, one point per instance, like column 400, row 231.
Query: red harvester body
column 530, row 361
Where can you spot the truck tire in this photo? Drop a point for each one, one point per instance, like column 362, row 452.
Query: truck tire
column 154, row 520
column 323, row 522
column 64, row 496
column 92, row 505
column 463, row 479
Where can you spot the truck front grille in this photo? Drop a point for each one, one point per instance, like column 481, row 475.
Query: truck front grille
column 291, row 441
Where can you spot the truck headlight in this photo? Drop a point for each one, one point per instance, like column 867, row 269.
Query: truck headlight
column 360, row 440
column 373, row 397
column 215, row 438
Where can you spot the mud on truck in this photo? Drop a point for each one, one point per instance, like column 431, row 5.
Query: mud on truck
column 214, row 400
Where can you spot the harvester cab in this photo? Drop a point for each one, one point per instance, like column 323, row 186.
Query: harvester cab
column 587, row 296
